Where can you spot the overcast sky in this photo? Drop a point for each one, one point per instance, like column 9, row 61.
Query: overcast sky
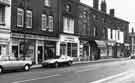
column 124, row 9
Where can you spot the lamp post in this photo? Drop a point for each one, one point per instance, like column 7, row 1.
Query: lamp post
column 132, row 41
column 24, row 26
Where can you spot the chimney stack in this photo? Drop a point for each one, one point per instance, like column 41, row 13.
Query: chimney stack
column 103, row 6
column 95, row 4
column 112, row 12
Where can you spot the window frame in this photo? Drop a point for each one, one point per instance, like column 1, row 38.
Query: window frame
column 47, row 3
column 51, row 23
column 45, row 22
column 68, row 25
column 22, row 15
column 2, row 21
column 28, row 18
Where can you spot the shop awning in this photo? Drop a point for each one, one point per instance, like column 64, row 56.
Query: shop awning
column 100, row 43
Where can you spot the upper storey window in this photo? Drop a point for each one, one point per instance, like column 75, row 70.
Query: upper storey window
column 68, row 7
column 20, row 17
column 2, row 15
column 68, row 25
column 29, row 19
column 47, row 3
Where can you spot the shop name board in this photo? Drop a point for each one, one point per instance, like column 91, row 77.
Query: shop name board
column 71, row 39
column 5, row 1
column 28, row 36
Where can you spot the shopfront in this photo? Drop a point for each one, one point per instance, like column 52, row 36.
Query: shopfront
column 4, row 43
column 69, row 46
column 49, row 49
column 33, row 47
column 23, row 49
column 102, row 48
column 84, row 50
column 110, row 51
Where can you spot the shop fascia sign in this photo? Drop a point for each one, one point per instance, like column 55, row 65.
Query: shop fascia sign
column 17, row 35
column 7, row 2
column 71, row 39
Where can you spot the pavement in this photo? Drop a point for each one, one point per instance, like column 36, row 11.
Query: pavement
column 88, row 62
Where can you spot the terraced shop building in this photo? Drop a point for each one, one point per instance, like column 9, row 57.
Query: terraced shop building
column 5, row 21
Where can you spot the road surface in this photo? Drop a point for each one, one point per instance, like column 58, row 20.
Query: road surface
column 108, row 72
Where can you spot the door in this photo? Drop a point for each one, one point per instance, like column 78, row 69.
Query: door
column 40, row 54
column 15, row 51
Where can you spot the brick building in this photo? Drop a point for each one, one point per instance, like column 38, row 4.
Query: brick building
column 68, row 38
column 34, row 29
column 101, row 34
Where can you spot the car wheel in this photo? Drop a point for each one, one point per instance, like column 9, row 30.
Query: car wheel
column 56, row 64
column 1, row 69
column 70, row 63
column 26, row 67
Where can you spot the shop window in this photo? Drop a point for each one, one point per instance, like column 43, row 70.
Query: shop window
column 28, row 19
column 20, row 17
column 74, row 50
column 50, row 50
column 62, row 49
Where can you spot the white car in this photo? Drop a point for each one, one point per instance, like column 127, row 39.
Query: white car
column 10, row 63
column 58, row 60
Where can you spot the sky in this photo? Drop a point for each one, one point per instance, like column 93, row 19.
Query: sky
column 124, row 9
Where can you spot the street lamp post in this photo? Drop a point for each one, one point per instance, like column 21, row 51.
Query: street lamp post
column 24, row 26
column 132, row 41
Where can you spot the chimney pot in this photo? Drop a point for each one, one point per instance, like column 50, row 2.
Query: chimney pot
column 112, row 12
column 95, row 4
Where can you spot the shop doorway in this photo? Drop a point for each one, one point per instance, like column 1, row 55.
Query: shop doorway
column 40, row 54
column 15, row 51
column 72, row 49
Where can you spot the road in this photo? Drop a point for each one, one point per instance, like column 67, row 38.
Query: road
column 109, row 72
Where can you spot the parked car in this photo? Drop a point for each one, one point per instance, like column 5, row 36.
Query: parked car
column 11, row 63
column 132, row 56
column 58, row 60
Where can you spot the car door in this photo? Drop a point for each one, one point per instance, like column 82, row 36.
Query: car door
column 17, row 64
column 6, row 63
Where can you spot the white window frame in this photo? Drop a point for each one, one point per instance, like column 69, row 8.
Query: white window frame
column 2, row 15
column 68, row 25
column 21, row 14
column 28, row 18
column 51, row 23
column 44, row 22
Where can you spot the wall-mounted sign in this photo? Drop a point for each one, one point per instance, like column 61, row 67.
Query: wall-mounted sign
column 68, row 38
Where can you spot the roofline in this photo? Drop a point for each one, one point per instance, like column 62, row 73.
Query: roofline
column 103, row 12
